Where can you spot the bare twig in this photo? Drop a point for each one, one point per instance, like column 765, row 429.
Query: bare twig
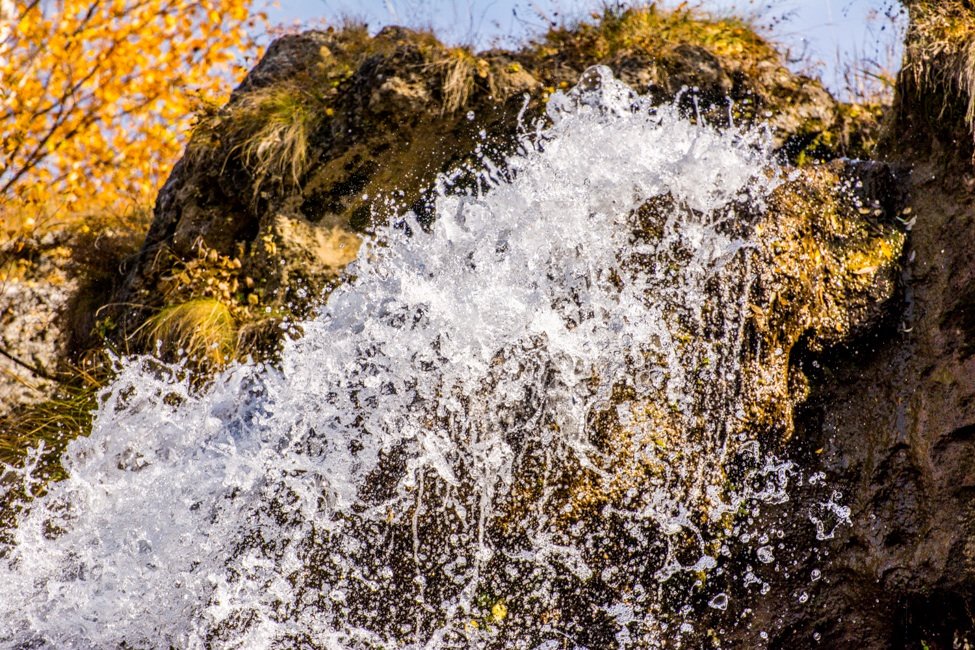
column 34, row 369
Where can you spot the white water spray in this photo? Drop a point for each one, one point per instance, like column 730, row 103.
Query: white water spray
column 425, row 467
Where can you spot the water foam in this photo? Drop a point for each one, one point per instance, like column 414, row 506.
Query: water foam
column 409, row 475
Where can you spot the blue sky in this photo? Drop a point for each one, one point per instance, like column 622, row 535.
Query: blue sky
column 823, row 36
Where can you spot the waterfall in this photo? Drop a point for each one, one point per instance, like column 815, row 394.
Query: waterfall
column 521, row 425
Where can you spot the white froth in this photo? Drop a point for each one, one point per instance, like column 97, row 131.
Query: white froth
column 237, row 515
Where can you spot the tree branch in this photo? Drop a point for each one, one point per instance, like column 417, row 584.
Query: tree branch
column 34, row 369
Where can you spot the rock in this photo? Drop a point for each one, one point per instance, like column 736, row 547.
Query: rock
column 286, row 58
column 822, row 273
column 861, row 359
column 396, row 96
column 305, row 255
column 693, row 67
column 380, row 132
column 640, row 72
column 510, row 79
column 890, row 421
column 380, row 118
column 35, row 288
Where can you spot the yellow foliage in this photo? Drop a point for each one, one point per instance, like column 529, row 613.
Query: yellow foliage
column 94, row 96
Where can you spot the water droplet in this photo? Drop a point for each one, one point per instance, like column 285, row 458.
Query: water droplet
column 719, row 602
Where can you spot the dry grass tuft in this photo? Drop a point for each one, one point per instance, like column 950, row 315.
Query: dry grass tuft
column 652, row 31
column 34, row 437
column 271, row 130
column 940, row 51
column 267, row 130
column 459, row 69
column 55, row 421
column 203, row 331
column 48, row 426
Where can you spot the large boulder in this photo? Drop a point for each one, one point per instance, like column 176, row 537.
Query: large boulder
column 334, row 131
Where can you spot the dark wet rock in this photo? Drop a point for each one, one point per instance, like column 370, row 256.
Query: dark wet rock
column 640, row 72
column 379, row 132
column 286, row 58
column 694, row 67
column 890, row 421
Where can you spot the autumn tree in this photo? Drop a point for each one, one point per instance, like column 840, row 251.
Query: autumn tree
column 95, row 95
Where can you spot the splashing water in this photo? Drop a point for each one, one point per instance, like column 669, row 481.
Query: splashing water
column 521, row 428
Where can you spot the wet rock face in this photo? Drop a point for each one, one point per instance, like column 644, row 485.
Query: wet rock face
column 825, row 270
column 889, row 423
column 891, row 413
column 598, row 382
column 861, row 358
column 373, row 131
column 687, row 68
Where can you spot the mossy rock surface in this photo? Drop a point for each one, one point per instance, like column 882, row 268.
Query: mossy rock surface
column 934, row 107
column 890, row 417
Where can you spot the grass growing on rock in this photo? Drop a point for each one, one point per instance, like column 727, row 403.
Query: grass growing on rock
column 203, row 330
column 36, row 435
column 267, row 130
column 211, row 299
column 459, row 68
column 660, row 51
column 272, row 129
column 940, row 50
column 935, row 101
column 654, row 32
column 54, row 421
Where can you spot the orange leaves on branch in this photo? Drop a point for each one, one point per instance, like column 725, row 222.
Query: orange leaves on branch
column 96, row 95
